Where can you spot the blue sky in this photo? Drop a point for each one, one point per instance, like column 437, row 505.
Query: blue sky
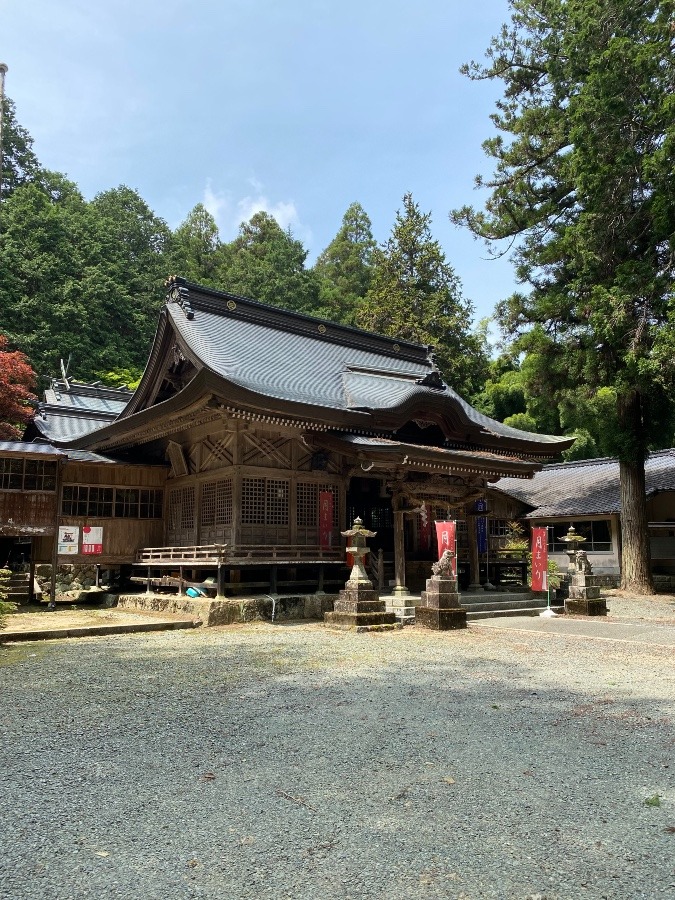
column 298, row 107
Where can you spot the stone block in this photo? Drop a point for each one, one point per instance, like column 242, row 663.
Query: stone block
column 346, row 621
column 587, row 607
column 440, row 601
column 440, row 619
column 584, row 593
column 343, row 604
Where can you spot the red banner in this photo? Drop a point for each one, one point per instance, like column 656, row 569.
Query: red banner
column 539, row 559
column 425, row 528
column 325, row 519
column 446, row 535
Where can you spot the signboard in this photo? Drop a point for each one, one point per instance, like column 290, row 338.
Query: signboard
column 69, row 539
column 92, row 540
column 326, row 519
column 539, row 559
column 446, row 535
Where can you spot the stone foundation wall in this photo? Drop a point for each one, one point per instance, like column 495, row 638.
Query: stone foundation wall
column 70, row 579
column 231, row 611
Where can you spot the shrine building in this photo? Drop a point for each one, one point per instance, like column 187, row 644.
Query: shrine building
column 255, row 437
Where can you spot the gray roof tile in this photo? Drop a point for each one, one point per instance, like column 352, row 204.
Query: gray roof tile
column 586, row 488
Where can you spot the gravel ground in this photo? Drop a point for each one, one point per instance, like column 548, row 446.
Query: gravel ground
column 289, row 761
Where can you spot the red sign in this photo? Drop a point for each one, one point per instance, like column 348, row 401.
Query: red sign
column 89, row 549
column 446, row 535
column 539, row 559
column 325, row 519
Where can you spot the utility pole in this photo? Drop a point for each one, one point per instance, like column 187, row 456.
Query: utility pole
column 3, row 72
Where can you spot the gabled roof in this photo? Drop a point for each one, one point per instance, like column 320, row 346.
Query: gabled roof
column 587, row 487
column 72, row 409
column 269, row 360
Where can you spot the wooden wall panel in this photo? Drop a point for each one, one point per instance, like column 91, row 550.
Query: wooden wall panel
column 27, row 512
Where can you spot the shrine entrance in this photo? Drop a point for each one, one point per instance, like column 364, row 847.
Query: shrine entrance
column 367, row 499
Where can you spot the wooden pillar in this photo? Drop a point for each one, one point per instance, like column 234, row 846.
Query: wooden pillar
column 220, row 592
column 399, row 554
column 180, row 581
column 273, row 579
column 474, row 565
column 147, row 583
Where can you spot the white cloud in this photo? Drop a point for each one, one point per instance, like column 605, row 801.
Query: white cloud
column 230, row 213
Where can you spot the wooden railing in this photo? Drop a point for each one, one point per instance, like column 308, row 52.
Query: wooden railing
column 242, row 555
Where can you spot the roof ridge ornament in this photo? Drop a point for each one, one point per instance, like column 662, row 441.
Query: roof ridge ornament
column 177, row 292
column 432, row 380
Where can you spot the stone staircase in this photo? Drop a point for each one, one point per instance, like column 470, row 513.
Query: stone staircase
column 19, row 584
column 489, row 605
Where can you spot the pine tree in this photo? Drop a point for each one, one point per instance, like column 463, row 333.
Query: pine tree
column 194, row 247
column 584, row 186
column 415, row 295
column 345, row 267
column 266, row 263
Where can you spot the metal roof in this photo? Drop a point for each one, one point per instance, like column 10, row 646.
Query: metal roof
column 25, row 448
column 297, row 358
column 587, row 487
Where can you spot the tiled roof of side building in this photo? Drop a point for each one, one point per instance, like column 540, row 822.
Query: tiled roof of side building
column 73, row 409
column 25, row 448
column 587, row 487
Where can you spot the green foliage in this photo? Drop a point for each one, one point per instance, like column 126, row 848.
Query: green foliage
column 415, row 295
column 195, row 248
column 19, row 163
column 79, row 279
column 345, row 267
column 655, row 800
column 522, row 421
column 583, row 189
column 584, row 186
column 118, row 378
column 268, row 264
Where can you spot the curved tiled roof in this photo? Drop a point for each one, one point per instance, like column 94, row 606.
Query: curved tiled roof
column 587, row 487
column 300, row 359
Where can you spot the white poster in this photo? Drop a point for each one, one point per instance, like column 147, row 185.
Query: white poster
column 92, row 539
column 69, row 538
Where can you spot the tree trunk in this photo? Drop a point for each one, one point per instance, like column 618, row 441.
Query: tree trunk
column 636, row 575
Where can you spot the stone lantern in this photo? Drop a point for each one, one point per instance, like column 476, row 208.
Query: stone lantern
column 572, row 540
column 358, row 607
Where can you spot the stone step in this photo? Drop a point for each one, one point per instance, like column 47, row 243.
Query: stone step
column 525, row 603
column 508, row 613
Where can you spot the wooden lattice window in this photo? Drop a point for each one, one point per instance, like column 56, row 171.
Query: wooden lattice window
column 253, row 501
column 182, row 509
column 264, row 501
column 308, row 503
column 216, row 503
column 277, row 502
column 187, row 516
